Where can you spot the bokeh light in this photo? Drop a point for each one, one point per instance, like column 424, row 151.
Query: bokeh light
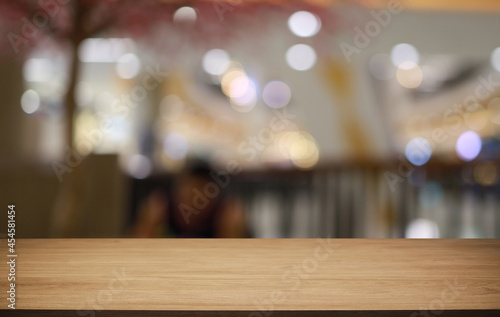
column 175, row 146
column 299, row 147
column 422, row 229
column 185, row 15
column 409, row 75
column 104, row 50
column 216, row 61
column 248, row 99
column 139, row 166
column 276, row 94
column 240, row 88
column 468, row 146
column 418, row 151
column 404, row 52
column 30, row 101
column 304, row 24
column 128, row 66
column 37, row 70
column 301, row 57
column 495, row 59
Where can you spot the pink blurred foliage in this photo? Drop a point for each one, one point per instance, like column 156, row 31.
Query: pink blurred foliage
column 150, row 21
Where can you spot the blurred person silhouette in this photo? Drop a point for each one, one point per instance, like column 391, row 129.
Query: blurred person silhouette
column 195, row 207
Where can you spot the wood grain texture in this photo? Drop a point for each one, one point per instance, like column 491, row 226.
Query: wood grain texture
column 256, row 275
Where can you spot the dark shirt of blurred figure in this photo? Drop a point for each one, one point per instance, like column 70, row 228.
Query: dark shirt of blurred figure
column 196, row 207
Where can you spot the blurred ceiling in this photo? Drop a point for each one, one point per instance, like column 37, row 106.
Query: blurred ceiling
column 440, row 5
column 429, row 5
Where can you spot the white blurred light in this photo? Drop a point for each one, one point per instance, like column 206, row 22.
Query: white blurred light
column 30, row 101
column 230, row 78
column 418, row 151
column 379, row 67
column 104, row 50
column 241, row 89
column 301, row 57
column 468, row 146
column 37, row 70
column 248, row 97
column 404, row 53
column 495, row 59
column 139, row 166
column 185, row 15
column 175, row 146
column 128, row 66
column 120, row 129
column 409, row 75
column 304, row 24
column 422, row 229
column 276, row 94
column 239, row 86
column 216, row 61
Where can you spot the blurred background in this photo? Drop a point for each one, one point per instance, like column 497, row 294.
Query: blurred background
column 313, row 118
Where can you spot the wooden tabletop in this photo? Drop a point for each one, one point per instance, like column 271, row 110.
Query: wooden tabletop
column 255, row 277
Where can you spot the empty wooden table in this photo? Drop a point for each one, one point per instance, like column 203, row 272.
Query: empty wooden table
column 254, row 277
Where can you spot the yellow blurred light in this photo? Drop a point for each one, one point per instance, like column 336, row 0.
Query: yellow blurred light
column 240, row 89
column 310, row 160
column 85, row 123
column 299, row 147
column 242, row 107
column 284, row 141
column 409, row 75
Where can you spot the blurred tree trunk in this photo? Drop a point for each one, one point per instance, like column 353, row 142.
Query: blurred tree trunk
column 68, row 200
column 76, row 38
column 70, row 100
